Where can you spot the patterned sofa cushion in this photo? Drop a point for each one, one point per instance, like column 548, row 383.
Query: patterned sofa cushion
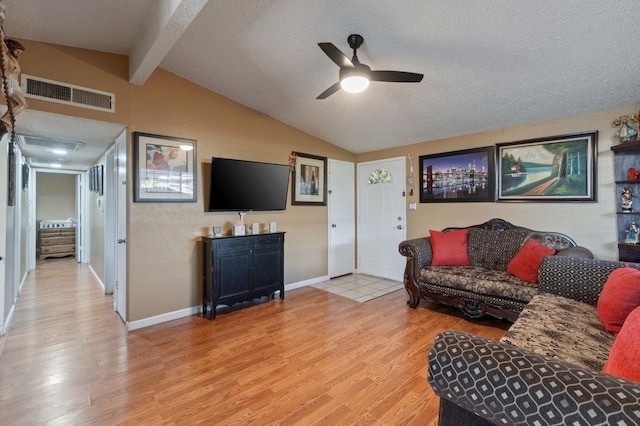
column 562, row 328
column 494, row 249
column 480, row 281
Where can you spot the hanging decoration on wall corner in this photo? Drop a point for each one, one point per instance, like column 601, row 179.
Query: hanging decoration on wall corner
column 10, row 67
column 410, row 179
column 293, row 160
column 380, row 176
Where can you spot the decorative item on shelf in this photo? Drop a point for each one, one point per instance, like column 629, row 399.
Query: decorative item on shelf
column 625, row 133
column 627, row 195
column 217, row 231
column 632, row 173
column 632, row 234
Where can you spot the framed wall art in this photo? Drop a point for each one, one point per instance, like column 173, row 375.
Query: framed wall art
column 100, row 179
column 164, row 168
column 458, row 176
column 92, row 179
column 557, row 168
column 309, row 180
column 26, row 171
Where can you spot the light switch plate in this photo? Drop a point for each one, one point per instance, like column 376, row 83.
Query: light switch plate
column 412, row 206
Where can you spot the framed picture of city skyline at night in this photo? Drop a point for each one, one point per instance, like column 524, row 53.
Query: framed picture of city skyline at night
column 458, row 176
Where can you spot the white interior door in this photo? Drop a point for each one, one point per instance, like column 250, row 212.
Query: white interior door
column 120, row 290
column 342, row 226
column 110, row 204
column 381, row 217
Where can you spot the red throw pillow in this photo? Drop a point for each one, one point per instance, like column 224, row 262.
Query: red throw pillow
column 526, row 263
column 620, row 295
column 449, row 248
column 625, row 352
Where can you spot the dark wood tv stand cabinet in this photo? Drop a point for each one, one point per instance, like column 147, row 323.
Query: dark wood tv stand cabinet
column 241, row 269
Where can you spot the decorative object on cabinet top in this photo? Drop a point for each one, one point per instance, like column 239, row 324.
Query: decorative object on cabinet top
column 625, row 133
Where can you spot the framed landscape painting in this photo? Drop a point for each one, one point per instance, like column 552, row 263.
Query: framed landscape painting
column 558, row 168
column 458, row 176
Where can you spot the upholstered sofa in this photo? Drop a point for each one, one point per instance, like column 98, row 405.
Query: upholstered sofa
column 484, row 285
column 547, row 369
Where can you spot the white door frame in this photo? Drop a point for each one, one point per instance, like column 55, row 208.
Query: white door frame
column 4, row 151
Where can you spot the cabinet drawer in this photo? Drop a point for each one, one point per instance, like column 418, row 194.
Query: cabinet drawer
column 267, row 242
column 54, row 241
column 232, row 245
column 66, row 248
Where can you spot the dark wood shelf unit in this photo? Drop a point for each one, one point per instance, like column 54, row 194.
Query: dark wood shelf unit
column 626, row 155
column 241, row 269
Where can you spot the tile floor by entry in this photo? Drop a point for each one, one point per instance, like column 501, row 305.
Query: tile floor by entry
column 360, row 287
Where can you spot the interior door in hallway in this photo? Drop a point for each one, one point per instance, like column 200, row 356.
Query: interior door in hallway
column 342, row 225
column 381, row 217
column 120, row 291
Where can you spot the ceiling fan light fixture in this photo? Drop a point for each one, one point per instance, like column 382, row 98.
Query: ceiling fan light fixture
column 354, row 83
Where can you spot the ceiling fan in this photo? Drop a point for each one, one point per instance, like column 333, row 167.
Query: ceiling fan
column 355, row 76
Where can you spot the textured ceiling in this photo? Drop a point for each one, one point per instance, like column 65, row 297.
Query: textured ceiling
column 487, row 64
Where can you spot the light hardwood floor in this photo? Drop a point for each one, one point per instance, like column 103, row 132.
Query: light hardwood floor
column 314, row 358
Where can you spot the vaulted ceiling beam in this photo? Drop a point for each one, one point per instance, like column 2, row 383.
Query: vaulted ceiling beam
column 166, row 24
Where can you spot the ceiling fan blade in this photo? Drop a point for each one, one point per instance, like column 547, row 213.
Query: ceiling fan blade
column 395, row 76
column 330, row 91
column 336, row 55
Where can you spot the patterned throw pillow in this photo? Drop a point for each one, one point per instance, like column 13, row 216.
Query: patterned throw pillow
column 527, row 262
column 449, row 248
column 620, row 295
column 625, row 352
column 494, row 250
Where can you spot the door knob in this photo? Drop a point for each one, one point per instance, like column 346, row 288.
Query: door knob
column 399, row 226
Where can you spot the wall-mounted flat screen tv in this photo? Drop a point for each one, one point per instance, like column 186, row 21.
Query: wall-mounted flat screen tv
column 239, row 185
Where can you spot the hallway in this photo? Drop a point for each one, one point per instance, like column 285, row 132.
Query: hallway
column 55, row 341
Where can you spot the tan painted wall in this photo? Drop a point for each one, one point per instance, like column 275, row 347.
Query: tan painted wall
column 163, row 242
column 590, row 224
column 55, row 195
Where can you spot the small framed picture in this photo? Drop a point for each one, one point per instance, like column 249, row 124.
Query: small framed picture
column 309, row 187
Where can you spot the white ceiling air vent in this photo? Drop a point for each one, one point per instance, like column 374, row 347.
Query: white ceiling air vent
column 55, row 91
column 51, row 144
column 47, row 162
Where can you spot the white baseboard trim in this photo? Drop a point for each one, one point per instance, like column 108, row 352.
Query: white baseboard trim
column 195, row 310
column 96, row 276
column 159, row 319
column 305, row 283
column 7, row 322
